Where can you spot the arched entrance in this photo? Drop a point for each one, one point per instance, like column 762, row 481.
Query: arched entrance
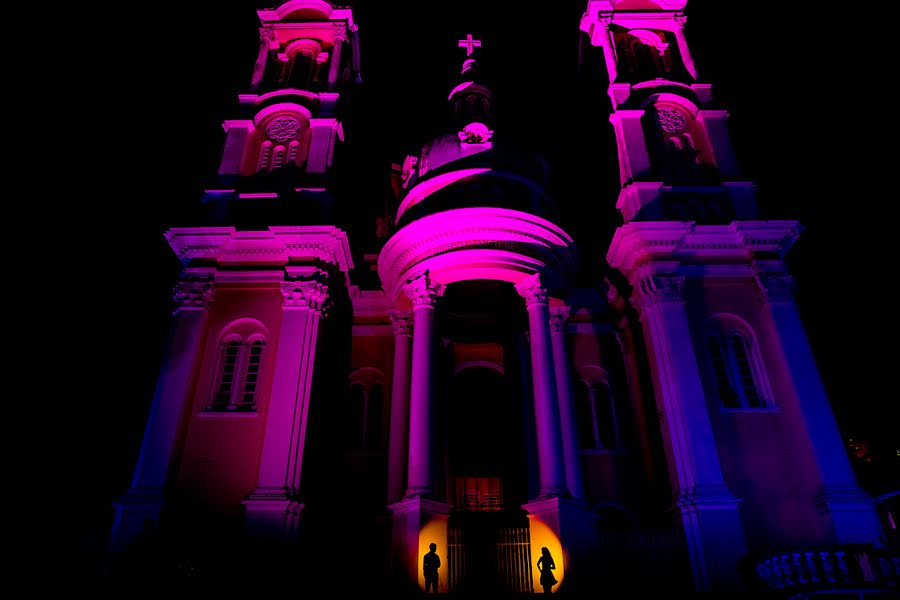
column 488, row 538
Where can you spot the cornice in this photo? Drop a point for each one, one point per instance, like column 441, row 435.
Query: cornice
column 446, row 235
column 637, row 243
column 276, row 246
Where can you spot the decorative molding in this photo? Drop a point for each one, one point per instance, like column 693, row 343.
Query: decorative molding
column 304, row 294
column 532, row 291
column 282, row 129
column 475, row 133
column 266, row 34
column 637, row 243
column 476, row 243
column 559, row 315
column 402, row 322
column 670, row 120
column 654, row 289
column 339, row 33
column 423, row 290
column 278, row 245
column 192, row 295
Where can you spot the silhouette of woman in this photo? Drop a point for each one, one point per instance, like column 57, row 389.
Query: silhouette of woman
column 546, row 566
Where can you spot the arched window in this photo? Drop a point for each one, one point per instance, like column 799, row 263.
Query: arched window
column 241, row 350
column 737, row 367
column 292, row 152
column 279, row 157
column 366, row 421
column 596, row 410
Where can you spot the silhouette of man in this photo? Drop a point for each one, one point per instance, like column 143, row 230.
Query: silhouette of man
column 430, row 565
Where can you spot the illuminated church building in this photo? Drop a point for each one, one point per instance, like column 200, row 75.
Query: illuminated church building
column 663, row 427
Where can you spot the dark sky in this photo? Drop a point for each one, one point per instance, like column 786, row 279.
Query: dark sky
column 153, row 138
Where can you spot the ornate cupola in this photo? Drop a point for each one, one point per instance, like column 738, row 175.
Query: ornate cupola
column 283, row 141
column 471, row 206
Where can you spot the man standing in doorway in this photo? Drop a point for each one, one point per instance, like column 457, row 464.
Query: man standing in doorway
column 430, row 565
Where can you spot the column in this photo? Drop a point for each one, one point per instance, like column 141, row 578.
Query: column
column 398, row 445
column 686, row 57
column 340, row 36
column 238, row 131
column 354, row 47
column 715, row 126
column 266, row 35
column 546, row 407
column 172, row 398
column 852, row 510
column 423, row 292
column 321, row 145
column 567, row 419
column 602, row 36
column 634, row 160
column 272, row 506
column 708, row 510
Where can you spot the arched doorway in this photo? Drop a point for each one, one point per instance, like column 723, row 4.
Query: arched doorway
column 488, row 538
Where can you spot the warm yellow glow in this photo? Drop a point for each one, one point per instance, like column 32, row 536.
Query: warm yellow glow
column 542, row 535
column 435, row 531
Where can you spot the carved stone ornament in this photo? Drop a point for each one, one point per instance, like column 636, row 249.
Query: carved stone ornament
column 402, row 322
column 532, row 290
column 423, row 291
column 312, row 294
column 558, row 318
column 192, row 295
column 671, row 120
column 655, row 288
column 266, row 34
column 283, row 129
column 475, row 133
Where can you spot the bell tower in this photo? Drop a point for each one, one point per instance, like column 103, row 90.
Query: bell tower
column 251, row 303
column 733, row 373
column 284, row 139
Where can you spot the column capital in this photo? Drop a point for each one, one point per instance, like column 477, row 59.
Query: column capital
column 340, row 33
column 423, row 290
column 402, row 322
column 266, row 34
column 192, row 294
column 559, row 315
column 604, row 20
column 680, row 19
column 304, row 294
column 532, row 291
column 653, row 289
column 775, row 287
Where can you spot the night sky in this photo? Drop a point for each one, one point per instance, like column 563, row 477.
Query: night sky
column 801, row 126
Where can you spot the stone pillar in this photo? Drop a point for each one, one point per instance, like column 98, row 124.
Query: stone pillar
column 686, row 57
column 266, row 35
column 340, row 36
column 238, row 131
column 272, row 509
column 546, row 405
column 634, row 160
column 568, row 422
column 424, row 294
column 709, row 512
column 715, row 126
column 398, row 446
column 602, row 36
column 853, row 513
column 321, row 146
column 173, row 395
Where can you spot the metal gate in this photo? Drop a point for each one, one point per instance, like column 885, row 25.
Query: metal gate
column 489, row 552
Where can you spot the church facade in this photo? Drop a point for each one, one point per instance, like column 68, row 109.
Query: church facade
column 664, row 427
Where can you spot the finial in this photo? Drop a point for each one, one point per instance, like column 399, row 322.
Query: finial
column 469, row 44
